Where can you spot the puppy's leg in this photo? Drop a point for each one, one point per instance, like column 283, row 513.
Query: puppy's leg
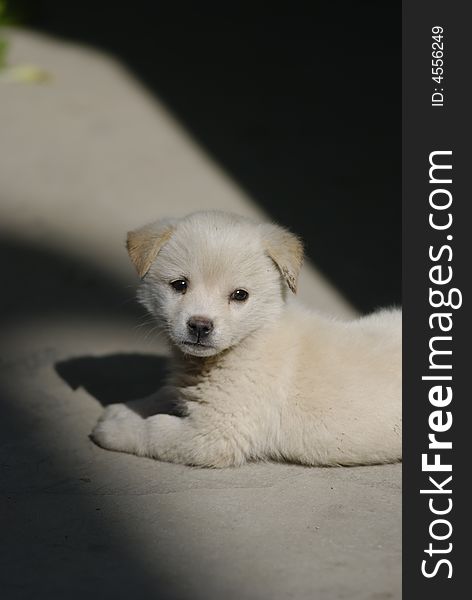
column 121, row 428
column 181, row 440
column 166, row 437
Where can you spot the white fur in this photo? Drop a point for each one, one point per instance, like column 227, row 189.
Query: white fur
column 275, row 381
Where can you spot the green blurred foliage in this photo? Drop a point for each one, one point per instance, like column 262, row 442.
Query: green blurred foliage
column 11, row 13
column 3, row 41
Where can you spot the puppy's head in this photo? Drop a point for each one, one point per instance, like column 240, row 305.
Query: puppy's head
column 213, row 278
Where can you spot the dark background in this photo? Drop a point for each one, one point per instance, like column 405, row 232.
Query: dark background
column 302, row 109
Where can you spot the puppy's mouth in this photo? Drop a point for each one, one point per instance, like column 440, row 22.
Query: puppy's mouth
column 198, row 348
column 201, row 344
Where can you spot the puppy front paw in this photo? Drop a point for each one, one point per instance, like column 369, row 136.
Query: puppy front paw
column 118, row 429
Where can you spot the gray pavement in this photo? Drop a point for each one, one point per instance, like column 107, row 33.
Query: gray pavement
column 84, row 157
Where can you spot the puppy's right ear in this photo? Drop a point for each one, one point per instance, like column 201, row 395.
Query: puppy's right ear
column 144, row 244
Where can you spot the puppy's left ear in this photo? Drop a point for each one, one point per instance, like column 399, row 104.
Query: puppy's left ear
column 286, row 250
column 144, row 244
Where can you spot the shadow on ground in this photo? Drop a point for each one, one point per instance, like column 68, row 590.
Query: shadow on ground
column 114, row 378
column 59, row 537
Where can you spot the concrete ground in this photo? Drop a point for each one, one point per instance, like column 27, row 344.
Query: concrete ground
column 85, row 156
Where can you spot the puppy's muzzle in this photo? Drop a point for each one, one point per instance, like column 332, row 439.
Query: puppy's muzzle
column 200, row 327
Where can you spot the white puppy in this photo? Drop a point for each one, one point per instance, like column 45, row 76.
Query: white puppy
column 257, row 376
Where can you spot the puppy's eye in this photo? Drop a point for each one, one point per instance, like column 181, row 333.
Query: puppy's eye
column 179, row 285
column 239, row 295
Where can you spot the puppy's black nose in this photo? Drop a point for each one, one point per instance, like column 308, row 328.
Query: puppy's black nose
column 200, row 326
